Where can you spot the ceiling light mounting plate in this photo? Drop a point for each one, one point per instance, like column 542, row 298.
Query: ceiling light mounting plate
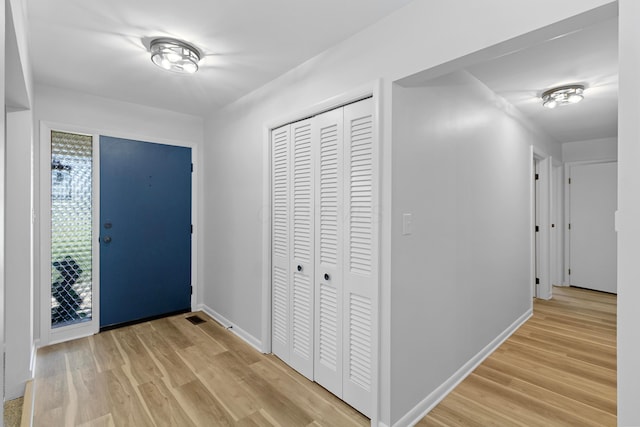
column 562, row 95
column 174, row 55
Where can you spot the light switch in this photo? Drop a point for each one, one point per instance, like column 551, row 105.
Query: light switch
column 407, row 223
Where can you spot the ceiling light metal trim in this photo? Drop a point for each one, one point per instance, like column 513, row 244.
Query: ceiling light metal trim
column 174, row 55
column 562, row 95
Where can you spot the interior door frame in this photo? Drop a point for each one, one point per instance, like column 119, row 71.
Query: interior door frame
column 374, row 90
column 47, row 334
column 541, row 256
column 567, row 209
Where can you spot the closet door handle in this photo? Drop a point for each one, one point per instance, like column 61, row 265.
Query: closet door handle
column 326, row 276
column 299, row 268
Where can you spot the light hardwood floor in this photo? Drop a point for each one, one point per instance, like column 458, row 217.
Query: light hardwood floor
column 169, row 372
column 557, row 369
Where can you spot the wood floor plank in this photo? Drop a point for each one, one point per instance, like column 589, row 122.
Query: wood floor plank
column 166, row 359
column 89, row 390
column 136, row 356
column 125, row 404
column 104, row 421
column 105, row 351
column 196, row 335
column 583, row 409
column 257, row 419
column 274, row 401
column 202, row 406
column 163, row 406
column 240, row 348
column 171, row 333
column 323, row 411
column 581, row 391
column 471, row 409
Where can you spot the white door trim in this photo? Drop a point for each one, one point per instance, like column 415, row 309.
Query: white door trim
column 373, row 89
column 43, row 289
column 543, row 289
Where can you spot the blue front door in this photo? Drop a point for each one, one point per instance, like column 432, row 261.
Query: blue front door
column 145, row 230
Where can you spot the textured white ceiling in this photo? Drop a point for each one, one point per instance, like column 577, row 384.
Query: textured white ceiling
column 97, row 47
column 588, row 56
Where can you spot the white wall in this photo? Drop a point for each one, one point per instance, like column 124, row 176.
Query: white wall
column 418, row 37
column 16, row 240
column 627, row 222
column 593, row 149
column 3, row 202
column 21, row 27
column 461, row 167
column 18, row 284
column 94, row 114
column 106, row 115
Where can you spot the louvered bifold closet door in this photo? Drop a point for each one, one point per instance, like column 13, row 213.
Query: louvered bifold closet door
column 361, row 255
column 328, row 145
column 280, row 238
column 302, row 254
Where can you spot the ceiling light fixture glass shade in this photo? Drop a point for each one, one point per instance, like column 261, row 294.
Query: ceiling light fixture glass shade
column 174, row 55
column 562, row 96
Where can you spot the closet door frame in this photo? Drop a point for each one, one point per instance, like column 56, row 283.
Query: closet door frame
column 374, row 90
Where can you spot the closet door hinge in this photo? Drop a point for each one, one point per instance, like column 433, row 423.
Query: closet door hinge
column 537, row 281
column 569, row 272
column 537, row 177
column 569, row 180
column 537, row 228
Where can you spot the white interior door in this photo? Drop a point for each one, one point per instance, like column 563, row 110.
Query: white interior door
column 329, row 144
column 593, row 202
column 280, row 274
column 361, row 255
column 324, row 250
column 302, row 256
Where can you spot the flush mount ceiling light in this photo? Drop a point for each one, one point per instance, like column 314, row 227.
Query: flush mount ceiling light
column 174, row 55
column 562, row 95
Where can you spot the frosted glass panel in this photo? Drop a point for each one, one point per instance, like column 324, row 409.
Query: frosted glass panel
column 71, row 257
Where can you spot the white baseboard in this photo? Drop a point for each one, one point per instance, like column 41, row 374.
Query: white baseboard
column 429, row 402
column 247, row 337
